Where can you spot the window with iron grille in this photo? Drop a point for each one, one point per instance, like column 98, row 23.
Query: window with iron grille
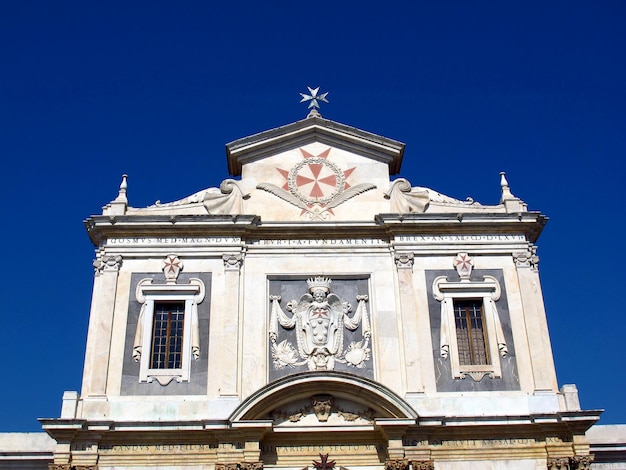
column 471, row 334
column 471, row 337
column 167, row 335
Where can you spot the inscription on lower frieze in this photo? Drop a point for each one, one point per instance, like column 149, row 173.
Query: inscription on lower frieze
column 508, row 442
column 459, row 238
column 320, row 242
column 323, row 448
column 167, row 448
column 174, row 241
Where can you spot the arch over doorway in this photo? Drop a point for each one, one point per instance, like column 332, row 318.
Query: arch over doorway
column 362, row 391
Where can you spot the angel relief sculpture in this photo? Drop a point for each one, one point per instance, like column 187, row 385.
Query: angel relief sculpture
column 319, row 319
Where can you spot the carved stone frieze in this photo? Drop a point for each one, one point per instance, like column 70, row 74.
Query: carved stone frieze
column 251, row 466
column 559, row 463
column 422, row 465
column 107, row 263
column 396, row 464
column 232, row 262
column 239, row 466
column 404, row 260
column 582, row 462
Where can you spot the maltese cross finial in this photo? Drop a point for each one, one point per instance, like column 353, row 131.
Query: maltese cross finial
column 314, row 98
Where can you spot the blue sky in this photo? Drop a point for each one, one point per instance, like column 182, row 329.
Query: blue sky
column 89, row 91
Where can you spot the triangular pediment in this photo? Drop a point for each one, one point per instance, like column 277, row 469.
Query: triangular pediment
column 314, row 129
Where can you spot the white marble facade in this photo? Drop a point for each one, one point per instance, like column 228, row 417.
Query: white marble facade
column 314, row 283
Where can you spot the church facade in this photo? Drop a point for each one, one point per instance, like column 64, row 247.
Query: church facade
column 317, row 310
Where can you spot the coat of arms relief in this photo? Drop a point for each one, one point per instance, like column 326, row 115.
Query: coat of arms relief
column 312, row 331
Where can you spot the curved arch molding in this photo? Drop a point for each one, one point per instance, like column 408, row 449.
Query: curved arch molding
column 341, row 385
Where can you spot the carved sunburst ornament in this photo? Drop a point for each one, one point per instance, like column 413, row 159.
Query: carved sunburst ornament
column 316, row 185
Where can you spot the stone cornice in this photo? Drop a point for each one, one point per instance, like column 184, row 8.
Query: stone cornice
column 559, row 423
column 314, row 129
column 530, row 224
column 250, row 227
column 102, row 227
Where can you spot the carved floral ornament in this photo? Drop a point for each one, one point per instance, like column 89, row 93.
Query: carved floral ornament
column 319, row 318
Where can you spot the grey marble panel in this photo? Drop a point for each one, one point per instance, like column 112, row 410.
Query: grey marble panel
column 347, row 289
column 197, row 384
column 443, row 373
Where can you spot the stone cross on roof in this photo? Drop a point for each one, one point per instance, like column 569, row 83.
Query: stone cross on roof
column 313, row 97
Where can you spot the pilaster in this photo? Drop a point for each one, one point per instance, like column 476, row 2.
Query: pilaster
column 410, row 321
column 542, row 361
column 233, row 263
column 100, row 325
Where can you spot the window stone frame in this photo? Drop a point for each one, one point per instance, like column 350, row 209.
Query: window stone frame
column 488, row 290
column 148, row 294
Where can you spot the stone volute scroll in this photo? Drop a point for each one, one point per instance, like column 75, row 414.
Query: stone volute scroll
column 319, row 318
column 227, row 199
column 405, row 199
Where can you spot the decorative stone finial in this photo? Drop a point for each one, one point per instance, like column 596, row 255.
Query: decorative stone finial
column 506, row 191
column 313, row 97
column 118, row 205
column 121, row 196
column 512, row 203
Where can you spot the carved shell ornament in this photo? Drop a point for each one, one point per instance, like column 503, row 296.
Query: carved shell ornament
column 316, row 185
